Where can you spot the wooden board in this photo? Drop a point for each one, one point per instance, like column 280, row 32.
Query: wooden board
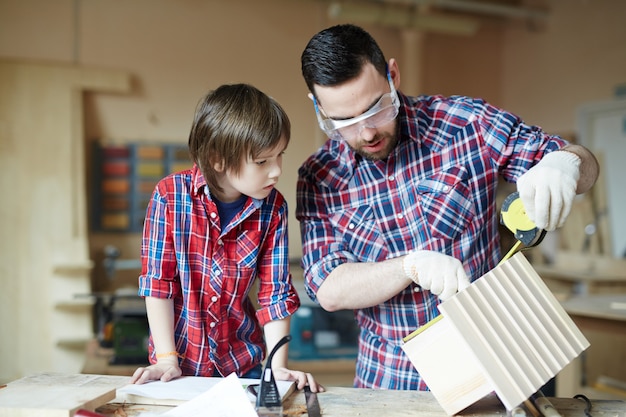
column 353, row 402
column 441, row 341
column 358, row 402
column 57, row 395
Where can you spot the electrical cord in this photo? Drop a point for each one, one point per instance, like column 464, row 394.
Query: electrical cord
column 587, row 404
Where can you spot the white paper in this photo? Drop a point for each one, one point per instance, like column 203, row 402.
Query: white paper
column 226, row 399
column 183, row 389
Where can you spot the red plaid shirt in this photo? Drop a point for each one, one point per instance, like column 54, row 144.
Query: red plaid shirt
column 436, row 191
column 209, row 269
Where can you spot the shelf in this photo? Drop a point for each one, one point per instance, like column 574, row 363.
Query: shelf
column 73, row 344
column 124, row 179
column 75, row 305
column 74, row 269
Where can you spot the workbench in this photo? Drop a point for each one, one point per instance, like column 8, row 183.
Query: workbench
column 602, row 318
column 52, row 394
column 605, row 312
column 355, row 402
column 582, row 274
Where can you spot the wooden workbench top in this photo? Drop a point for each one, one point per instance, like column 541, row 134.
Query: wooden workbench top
column 605, row 306
column 353, row 402
column 77, row 391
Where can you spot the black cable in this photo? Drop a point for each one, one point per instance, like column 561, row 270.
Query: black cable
column 587, row 404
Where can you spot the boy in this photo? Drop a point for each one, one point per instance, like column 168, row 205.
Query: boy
column 209, row 233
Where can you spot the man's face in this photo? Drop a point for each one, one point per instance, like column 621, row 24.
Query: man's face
column 373, row 136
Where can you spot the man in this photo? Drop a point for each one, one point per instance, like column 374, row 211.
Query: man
column 398, row 208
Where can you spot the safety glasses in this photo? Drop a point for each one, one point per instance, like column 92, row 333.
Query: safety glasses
column 383, row 112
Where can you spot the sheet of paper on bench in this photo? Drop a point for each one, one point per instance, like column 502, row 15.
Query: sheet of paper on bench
column 227, row 398
column 183, row 389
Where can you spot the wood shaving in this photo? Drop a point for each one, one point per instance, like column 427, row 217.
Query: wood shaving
column 120, row 412
column 113, row 409
column 296, row 410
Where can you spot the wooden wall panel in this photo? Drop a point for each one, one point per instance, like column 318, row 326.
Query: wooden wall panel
column 44, row 259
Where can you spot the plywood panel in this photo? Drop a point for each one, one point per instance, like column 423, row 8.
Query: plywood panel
column 43, row 225
column 57, row 395
column 469, row 384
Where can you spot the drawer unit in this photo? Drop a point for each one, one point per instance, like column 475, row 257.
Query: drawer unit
column 124, row 178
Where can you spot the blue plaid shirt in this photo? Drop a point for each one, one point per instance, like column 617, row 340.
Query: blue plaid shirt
column 435, row 191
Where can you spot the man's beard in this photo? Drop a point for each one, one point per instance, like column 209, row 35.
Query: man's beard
column 383, row 153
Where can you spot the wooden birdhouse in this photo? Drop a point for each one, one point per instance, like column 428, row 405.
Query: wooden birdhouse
column 506, row 333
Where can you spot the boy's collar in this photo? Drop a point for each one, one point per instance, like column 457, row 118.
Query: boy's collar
column 200, row 185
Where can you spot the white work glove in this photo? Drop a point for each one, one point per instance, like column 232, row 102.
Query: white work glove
column 548, row 189
column 443, row 275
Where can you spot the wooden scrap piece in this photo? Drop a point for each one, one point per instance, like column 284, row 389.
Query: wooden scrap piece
column 56, row 394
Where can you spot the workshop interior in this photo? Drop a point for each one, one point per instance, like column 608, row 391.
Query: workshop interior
column 102, row 95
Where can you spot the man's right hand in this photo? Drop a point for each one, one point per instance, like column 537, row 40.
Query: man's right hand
column 443, row 275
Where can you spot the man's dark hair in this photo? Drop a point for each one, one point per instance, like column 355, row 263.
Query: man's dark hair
column 337, row 54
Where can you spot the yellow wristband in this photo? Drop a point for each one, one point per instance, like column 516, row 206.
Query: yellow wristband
column 167, row 355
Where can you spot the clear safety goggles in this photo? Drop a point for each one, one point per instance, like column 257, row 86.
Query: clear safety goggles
column 383, row 112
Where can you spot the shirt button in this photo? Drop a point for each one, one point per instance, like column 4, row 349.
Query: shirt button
column 391, row 178
column 220, row 242
column 351, row 226
column 218, row 272
column 416, row 288
column 214, row 298
column 401, row 216
column 446, row 188
column 212, row 325
column 213, row 215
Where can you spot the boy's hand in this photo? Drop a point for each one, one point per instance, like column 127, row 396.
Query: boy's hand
column 301, row 378
column 164, row 371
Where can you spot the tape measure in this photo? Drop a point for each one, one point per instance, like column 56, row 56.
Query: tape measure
column 514, row 217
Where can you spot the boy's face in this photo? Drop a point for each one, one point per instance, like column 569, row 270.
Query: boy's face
column 257, row 177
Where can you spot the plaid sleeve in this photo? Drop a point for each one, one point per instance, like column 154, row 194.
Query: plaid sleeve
column 323, row 250
column 514, row 145
column 277, row 295
column 158, row 259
